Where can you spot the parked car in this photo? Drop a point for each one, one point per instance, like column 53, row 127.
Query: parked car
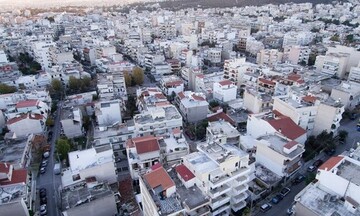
column 42, row 192
column 44, row 163
column 43, row 210
column 290, row 211
column 43, row 200
column 277, row 198
column 42, row 170
column 298, row 179
column 318, row 163
column 284, row 191
column 266, row 207
column 311, row 168
column 46, row 154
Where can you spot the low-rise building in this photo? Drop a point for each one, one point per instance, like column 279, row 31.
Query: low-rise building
column 224, row 91
column 171, row 85
column 108, row 113
column 192, row 106
column 257, row 102
column 95, row 162
column 25, row 124
column 72, row 122
column 335, row 191
column 222, row 132
column 280, row 155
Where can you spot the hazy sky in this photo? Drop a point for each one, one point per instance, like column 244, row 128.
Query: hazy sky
column 27, row 3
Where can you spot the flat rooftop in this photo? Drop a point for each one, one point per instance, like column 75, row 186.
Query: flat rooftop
column 221, row 153
column 172, row 144
column 266, row 175
column 277, row 144
column 201, row 162
column 146, row 117
column 223, row 127
column 81, row 195
column 12, row 152
column 350, row 171
column 322, row 203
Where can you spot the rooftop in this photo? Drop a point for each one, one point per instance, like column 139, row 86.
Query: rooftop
column 223, row 127
column 12, row 152
column 167, row 113
column 277, row 143
column 221, row 153
column 350, row 171
column 322, row 203
column 82, row 195
column 266, row 175
column 201, row 162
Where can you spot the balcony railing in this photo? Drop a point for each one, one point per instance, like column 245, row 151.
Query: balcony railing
column 220, row 201
column 238, row 206
column 219, row 191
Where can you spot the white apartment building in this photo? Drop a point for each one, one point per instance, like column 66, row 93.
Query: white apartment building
column 204, row 83
column 108, row 113
column 280, row 155
column 296, row 54
column 59, row 56
column 148, row 98
column 332, row 63
column 26, row 124
column 269, row 57
column 157, row 121
column 329, row 115
column 354, row 54
column 257, row 102
column 171, row 84
column 336, row 190
column 297, row 38
column 222, row 173
column 192, row 106
column 254, row 46
column 224, row 91
column 161, row 69
column 142, row 153
column 42, row 54
column 235, row 70
column 354, row 74
column 274, row 122
column 222, row 131
column 214, row 55
column 105, row 51
column 301, row 110
column 95, row 162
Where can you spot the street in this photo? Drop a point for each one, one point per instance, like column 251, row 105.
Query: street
column 48, row 180
column 281, row 208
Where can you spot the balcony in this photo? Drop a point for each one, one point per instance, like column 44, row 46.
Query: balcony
column 240, row 171
column 219, row 191
column 238, row 206
column 205, row 210
column 241, row 180
column 216, row 203
column 240, row 189
column 220, row 210
column 239, row 198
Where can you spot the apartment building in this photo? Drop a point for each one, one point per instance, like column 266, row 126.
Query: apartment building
column 334, row 64
column 72, row 122
column 274, row 122
column 257, row 102
column 157, row 121
column 235, row 70
column 296, row 54
column 297, row 38
column 222, row 131
column 269, row 57
column 224, row 91
column 142, row 153
column 172, row 192
column 25, row 124
column 95, row 162
column 335, row 190
column 329, row 115
column 279, row 154
column 348, row 93
column 171, row 84
column 173, row 146
column 108, row 113
column 214, row 55
column 9, row 73
column 266, row 85
column 354, row 74
column 41, row 52
column 148, row 98
column 192, row 106
column 221, row 173
column 16, row 187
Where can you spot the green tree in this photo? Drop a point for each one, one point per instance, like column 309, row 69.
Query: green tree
column 6, row 89
column 74, row 83
column 56, row 89
column 85, row 83
column 335, row 38
column 127, row 78
column 63, row 147
column 138, row 75
column 214, row 103
column 350, row 38
column 50, row 122
column 343, row 135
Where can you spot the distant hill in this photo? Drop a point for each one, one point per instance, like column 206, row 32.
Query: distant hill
column 181, row 4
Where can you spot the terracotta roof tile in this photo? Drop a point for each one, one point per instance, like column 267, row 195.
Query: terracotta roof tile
column 176, row 131
column 225, row 82
column 288, row 128
column 159, row 177
column 160, row 96
column 24, row 116
column 27, row 103
column 269, row 82
column 18, row 176
column 184, row 172
column 149, row 144
column 181, row 95
column 309, row 98
column 198, row 98
column 4, row 167
column 223, row 116
column 331, row 163
column 156, row 166
column 174, row 83
column 290, row 144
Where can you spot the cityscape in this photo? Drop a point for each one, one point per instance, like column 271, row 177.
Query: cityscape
column 180, row 108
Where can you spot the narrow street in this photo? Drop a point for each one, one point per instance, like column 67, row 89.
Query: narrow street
column 48, row 180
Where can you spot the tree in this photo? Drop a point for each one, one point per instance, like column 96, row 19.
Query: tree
column 6, row 89
column 50, row 122
column 74, row 83
column 127, row 78
column 342, row 135
column 56, row 89
column 214, row 103
column 335, row 38
column 63, row 147
column 138, row 75
column 85, row 83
